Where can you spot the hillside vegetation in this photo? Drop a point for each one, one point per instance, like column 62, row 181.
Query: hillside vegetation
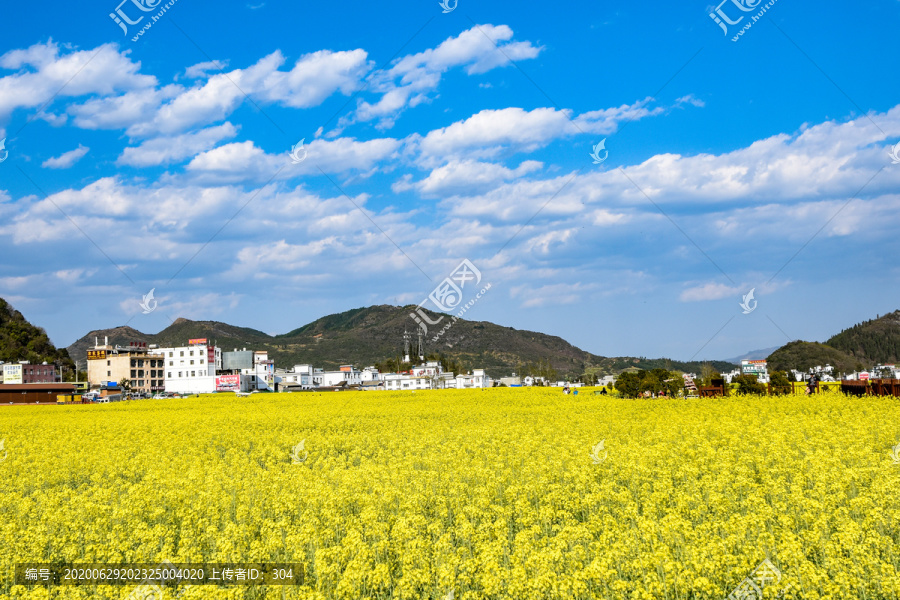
column 20, row 340
column 373, row 335
column 862, row 346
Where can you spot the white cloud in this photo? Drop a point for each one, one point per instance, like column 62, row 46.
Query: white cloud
column 492, row 131
column 66, row 159
column 246, row 161
column 43, row 73
column 467, row 176
column 166, row 150
column 410, row 80
column 709, row 291
column 147, row 111
column 552, row 294
column 203, row 69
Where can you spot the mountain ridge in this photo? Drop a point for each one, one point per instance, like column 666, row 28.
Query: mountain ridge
column 371, row 335
column 875, row 341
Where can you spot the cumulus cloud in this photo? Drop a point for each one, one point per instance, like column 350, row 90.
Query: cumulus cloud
column 166, row 150
column 173, row 109
column 466, row 177
column 413, row 77
column 245, row 161
column 492, row 131
column 43, row 72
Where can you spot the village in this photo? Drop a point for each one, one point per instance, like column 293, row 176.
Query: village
column 140, row 370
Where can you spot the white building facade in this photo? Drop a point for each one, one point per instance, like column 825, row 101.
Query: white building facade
column 190, row 369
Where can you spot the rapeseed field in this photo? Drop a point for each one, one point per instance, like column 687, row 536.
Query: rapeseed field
column 463, row 494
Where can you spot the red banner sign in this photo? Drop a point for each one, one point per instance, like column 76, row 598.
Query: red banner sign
column 228, row 383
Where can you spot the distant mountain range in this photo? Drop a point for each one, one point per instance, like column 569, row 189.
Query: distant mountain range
column 753, row 355
column 862, row 346
column 371, row 335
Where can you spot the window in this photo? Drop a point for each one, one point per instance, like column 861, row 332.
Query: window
column 193, row 373
column 201, row 361
column 171, row 354
column 179, row 373
column 182, row 353
column 192, row 352
column 107, row 363
column 192, row 362
column 108, row 373
column 171, row 363
column 170, row 374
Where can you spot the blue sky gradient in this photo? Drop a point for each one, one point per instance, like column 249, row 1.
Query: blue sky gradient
column 432, row 137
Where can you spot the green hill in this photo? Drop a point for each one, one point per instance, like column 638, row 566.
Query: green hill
column 805, row 355
column 20, row 340
column 366, row 336
column 875, row 341
column 862, row 346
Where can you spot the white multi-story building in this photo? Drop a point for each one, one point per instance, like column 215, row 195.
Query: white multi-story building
column 731, row 375
column 191, row 369
column 476, row 379
column 371, row 374
column 754, row 367
column 347, row 374
column 300, row 376
column 404, row 381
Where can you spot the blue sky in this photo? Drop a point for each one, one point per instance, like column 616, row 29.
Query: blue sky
column 429, row 137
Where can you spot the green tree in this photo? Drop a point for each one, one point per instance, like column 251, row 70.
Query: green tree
column 749, row 384
column 629, row 384
column 781, row 383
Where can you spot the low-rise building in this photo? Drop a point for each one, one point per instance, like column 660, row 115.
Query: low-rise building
column 191, row 369
column 142, row 366
column 754, row 367
column 25, row 372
